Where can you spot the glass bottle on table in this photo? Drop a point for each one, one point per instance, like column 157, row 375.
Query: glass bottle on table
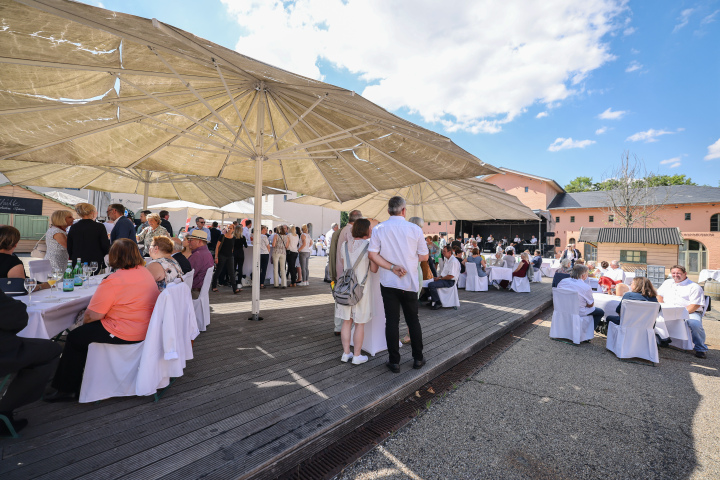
column 69, row 278
column 77, row 274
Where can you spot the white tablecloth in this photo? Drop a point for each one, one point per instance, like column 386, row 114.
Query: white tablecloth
column 608, row 303
column 709, row 275
column 670, row 321
column 49, row 317
column 247, row 266
column 374, row 340
column 497, row 274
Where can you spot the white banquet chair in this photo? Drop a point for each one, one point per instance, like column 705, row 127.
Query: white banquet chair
column 567, row 322
column 144, row 368
column 635, row 337
column 188, row 278
column 520, row 284
column 201, row 305
column 449, row 296
column 537, row 276
column 462, row 281
column 475, row 283
column 38, row 268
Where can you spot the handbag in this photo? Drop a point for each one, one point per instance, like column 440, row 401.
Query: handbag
column 347, row 290
column 39, row 249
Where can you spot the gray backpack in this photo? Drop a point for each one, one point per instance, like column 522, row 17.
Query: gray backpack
column 347, row 289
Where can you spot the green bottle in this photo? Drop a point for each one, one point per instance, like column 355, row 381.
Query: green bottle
column 77, row 272
column 68, row 278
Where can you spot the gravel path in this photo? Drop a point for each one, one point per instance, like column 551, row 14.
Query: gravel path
column 545, row 409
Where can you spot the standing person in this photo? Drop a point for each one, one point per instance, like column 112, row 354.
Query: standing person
column 264, row 245
column 447, row 278
column 200, row 259
column 279, row 254
column 537, row 260
column 352, row 251
column 330, row 263
column 680, row 290
column 533, row 240
column 154, row 229
column 239, row 253
column 143, row 221
column 335, row 262
column 293, row 242
column 214, row 237
column 124, row 227
column 225, row 260
column 434, row 252
column 397, row 246
column 200, row 224
column 165, row 221
column 88, row 239
column 246, row 231
column 571, row 253
column 304, row 252
column 56, row 238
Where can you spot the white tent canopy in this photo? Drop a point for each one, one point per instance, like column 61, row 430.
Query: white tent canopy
column 235, row 209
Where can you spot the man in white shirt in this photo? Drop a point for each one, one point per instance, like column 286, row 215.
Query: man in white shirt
column 576, row 283
column 397, row 246
column 517, row 239
column 328, row 242
column 615, row 273
column 448, row 276
column 533, row 240
column 680, row 290
column 246, row 232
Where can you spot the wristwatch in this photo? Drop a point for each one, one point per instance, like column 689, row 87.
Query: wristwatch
column 392, row 265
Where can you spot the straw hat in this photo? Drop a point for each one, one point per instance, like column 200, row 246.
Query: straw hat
column 198, row 234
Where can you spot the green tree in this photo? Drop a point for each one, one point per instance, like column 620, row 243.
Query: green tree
column 344, row 218
column 581, row 184
column 611, row 184
column 666, row 180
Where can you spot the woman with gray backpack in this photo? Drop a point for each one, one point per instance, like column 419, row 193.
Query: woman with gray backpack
column 353, row 302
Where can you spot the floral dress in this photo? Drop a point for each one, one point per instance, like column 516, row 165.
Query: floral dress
column 56, row 253
column 172, row 271
column 147, row 234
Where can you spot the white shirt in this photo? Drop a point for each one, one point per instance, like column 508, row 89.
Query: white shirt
column 246, row 234
column 328, row 238
column 509, row 261
column 517, row 239
column 293, row 242
column 683, row 294
column 451, row 267
column 308, row 242
column 584, row 292
column 264, row 245
column 490, row 238
column 400, row 243
column 109, row 226
column 615, row 274
column 533, row 241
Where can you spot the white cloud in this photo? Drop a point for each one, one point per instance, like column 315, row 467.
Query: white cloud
column 683, row 19
column 634, row 65
column 541, row 115
column 473, row 71
column 629, row 31
column 672, row 162
column 710, row 18
column 634, row 51
column 601, row 130
column 713, row 151
column 610, row 115
column 567, row 143
column 649, row 136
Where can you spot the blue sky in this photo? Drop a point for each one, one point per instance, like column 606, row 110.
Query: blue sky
column 555, row 88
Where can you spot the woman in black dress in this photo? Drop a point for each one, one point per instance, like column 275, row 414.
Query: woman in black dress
column 224, row 259
column 239, row 252
column 88, row 240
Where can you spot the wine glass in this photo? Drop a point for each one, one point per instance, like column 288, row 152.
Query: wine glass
column 84, row 275
column 30, row 284
column 93, row 267
column 51, row 280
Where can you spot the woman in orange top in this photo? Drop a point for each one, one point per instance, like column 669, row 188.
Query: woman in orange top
column 119, row 313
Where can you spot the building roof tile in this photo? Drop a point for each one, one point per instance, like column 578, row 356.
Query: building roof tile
column 654, row 236
column 676, row 194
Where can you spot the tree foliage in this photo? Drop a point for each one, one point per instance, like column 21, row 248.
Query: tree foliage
column 580, row 184
column 586, row 184
column 344, row 219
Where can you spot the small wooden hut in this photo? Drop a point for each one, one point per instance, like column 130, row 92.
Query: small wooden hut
column 635, row 248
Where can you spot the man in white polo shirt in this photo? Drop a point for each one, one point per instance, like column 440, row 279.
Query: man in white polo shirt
column 680, row 290
column 449, row 275
column 615, row 273
column 576, row 283
column 397, row 246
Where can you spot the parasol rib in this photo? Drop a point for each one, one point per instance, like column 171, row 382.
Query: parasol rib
column 237, row 110
column 274, row 134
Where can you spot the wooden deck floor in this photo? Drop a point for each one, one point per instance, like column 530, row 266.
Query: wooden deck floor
column 258, row 397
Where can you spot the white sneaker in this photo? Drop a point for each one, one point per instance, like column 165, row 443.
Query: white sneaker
column 359, row 359
column 346, row 357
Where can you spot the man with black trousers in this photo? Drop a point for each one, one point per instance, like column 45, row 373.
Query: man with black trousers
column 214, row 237
column 165, row 221
column 32, row 359
column 397, row 246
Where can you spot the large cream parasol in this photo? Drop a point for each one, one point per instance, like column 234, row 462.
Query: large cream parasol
column 85, row 86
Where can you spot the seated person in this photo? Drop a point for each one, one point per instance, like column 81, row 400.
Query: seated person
column 200, row 259
column 565, row 266
column 181, row 253
column 478, row 260
column 163, row 267
column 576, row 283
column 509, row 258
column 458, row 253
column 680, row 290
column 592, row 271
column 615, row 273
column 497, row 260
column 642, row 290
column 33, row 360
column 621, row 289
column 520, row 270
column 602, row 268
column 119, row 313
column 581, row 261
column 537, row 260
column 558, row 277
column 10, row 265
column 448, row 276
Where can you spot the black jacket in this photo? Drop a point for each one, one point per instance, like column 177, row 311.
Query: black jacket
column 88, row 240
column 167, row 226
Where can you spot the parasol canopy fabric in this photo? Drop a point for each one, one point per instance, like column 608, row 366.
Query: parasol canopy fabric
column 237, row 209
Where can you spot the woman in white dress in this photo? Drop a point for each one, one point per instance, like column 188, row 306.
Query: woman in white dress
column 361, row 313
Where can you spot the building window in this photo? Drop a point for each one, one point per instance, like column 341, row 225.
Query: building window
column 527, row 189
column 611, row 218
column 557, row 219
column 633, row 256
column 688, row 216
column 715, row 223
column 557, row 242
column 440, row 223
column 572, row 240
column 428, row 224
column 591, row 219
column 450, row 222
column 572, row 218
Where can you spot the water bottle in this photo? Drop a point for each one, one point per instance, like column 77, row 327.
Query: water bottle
column 68, row 278
column 77, row 274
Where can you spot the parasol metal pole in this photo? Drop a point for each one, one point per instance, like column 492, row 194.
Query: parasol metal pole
column 145, row 195
column 256, row 240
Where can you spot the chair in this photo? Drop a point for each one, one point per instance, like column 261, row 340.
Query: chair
column 537, row 276
column 475, row 283
column 38, row 268
column 634, row 337
column 449, row 296
column 462, row 281
column 188, row 278
column 567, row 323
column 202, row 303
column 520, row 285
column 144, row 368
column 594, row 284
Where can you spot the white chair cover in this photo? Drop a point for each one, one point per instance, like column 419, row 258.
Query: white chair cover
column 188, row 278
column 202, row 303
column 462, row 281
column 566, row 319
column 537, row 276
column 449, row 296
column 39, row 267
column 594, row 284
column 143, row 368
column 520, row 285
column 634, row 337
column 475, row 283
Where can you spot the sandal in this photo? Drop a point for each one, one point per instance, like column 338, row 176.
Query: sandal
column 214, row 289
column 405, row 340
